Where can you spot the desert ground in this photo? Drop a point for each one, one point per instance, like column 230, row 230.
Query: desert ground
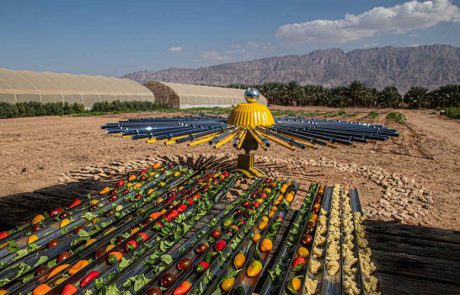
column 412, row 179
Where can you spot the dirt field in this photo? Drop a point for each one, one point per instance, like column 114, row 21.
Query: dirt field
column 413, row 179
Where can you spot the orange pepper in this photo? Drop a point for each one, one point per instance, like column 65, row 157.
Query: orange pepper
column 89, row 242
column 132, row 177
column 156, row 165
column 78, row 266
column 57, row 270
column 41, row 289
column 38, row 218
column 263, row 225
column 109, row 247
column 254, row 268
column 104, row 190
column 59, row 281
column 155, row 215
column 266, row 245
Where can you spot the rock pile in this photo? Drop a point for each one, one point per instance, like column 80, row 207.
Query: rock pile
column 402, row 199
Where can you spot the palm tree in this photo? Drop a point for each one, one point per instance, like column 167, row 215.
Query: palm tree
column 338, row 97
column 293, row 93
column 416, row 97
column 445, row 96
column 358, row 93
column 389, row 97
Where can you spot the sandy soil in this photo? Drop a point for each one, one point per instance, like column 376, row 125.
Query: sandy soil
column 40, row 152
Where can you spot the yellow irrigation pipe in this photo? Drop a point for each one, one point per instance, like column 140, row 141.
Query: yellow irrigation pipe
column 243, row 136
column 173, row 139
column 306, row 144
column 278, row 141
column 152, row 140
column 257, row 139
column 204, row 139
column 240, row 133
column 225, row 140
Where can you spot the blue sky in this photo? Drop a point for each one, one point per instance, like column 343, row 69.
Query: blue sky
column 117, row 37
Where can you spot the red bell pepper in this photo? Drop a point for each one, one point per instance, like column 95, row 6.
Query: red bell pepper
column 137, row 196
column 120, row 183
column 181, row 208
column 56, row 211
column 190, row 201
column 202, row 266
column 130, row 246
column 298, row 263
column 69, row 289
column 141, row 237
column 220, row 245
column 113, row 198
column 89, row 277
column 173, row 214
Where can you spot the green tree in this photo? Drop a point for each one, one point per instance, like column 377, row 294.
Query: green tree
column 389, row 97
column 358, row 94
column 293, row 93
column 445, row 96
column 416, row 97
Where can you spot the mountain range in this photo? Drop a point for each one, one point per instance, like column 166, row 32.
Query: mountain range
column 429, row 66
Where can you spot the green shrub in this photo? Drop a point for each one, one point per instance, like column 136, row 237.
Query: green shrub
column 396, row 117
column 126, row 106
column 372, row 115
column 453, row 113
column 32, row 108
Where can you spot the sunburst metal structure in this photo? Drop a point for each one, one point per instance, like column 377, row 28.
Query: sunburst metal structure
column 249, row 126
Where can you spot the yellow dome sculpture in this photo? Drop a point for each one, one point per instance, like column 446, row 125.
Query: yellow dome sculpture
column 251, row 115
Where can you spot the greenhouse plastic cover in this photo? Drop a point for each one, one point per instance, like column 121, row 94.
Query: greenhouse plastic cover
column 25, row 86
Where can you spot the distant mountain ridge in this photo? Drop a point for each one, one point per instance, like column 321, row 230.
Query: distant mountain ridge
column 429, row 66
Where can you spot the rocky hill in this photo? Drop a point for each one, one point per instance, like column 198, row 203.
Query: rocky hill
column 429, row 66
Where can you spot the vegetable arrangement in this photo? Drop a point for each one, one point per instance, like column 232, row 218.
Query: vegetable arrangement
column 132, row 238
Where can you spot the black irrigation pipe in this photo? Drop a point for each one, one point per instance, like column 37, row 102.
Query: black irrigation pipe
column 300, row 136
column 285, row 138
column 314, row 138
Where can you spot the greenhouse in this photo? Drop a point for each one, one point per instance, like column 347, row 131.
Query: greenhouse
column 184, row 96
column 27, row 86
